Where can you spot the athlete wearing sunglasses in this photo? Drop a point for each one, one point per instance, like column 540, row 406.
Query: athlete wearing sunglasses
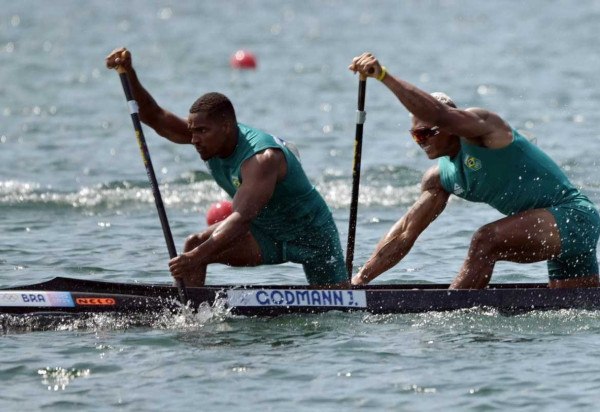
column 421, row 135
column 482, row 158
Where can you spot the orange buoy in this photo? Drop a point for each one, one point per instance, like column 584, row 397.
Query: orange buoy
column 218, row 211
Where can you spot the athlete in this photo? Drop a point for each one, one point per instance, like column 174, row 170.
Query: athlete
column 278, row 215
column 481, row 158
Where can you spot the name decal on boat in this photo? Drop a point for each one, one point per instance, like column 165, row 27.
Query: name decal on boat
column 95, row 301
column 297, row 297
column 35, row 298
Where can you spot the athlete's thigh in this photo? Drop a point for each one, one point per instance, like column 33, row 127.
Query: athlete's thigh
column 530, row 236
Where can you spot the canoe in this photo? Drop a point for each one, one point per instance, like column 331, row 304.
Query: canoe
column 63, row 295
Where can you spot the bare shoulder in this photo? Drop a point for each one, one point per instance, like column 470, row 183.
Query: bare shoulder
column 269, row 157
column 490, row 118
column 263, row 163
column 499, row 132
column 431, row 180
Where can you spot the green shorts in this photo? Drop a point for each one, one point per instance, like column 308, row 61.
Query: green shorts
column 579, row 229
column 319, row 252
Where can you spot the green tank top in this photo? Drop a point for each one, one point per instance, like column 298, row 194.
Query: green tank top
column 512, row 179
column 295, row 205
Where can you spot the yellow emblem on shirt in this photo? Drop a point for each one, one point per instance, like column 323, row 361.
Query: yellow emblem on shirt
column 235, row 181
column 472, row 163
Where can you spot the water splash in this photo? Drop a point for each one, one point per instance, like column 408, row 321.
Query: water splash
column 182, row 318
column 58, row 378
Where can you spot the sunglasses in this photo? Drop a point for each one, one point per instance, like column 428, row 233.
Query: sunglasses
column 421, row 134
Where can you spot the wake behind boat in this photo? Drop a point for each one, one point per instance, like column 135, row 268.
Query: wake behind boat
column 77, row 296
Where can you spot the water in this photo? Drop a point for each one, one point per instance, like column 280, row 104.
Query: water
column 74, row 199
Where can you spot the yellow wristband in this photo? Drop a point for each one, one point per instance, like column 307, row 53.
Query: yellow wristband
column 382, row 74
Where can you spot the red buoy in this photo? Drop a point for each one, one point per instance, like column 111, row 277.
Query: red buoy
column 243, row 59
column 218, row 211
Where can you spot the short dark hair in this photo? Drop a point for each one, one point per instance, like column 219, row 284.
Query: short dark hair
column 215, row 105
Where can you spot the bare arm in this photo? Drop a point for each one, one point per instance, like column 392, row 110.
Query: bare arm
column 162, row 121
column 260, row 174
column 399, row 240
column 477, row 125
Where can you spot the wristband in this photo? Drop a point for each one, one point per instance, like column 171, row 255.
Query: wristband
column 382, row 74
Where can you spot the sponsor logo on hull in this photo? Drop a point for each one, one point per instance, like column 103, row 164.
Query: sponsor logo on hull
column 95, row 301
column 297, row 297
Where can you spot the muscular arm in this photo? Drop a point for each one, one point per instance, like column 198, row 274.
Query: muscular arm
column 260, row 174
column 474, row 124
column 162, row 121
column 399, row 240
column 477, row 125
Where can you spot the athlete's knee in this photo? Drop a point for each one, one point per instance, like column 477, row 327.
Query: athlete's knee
column 486, row 243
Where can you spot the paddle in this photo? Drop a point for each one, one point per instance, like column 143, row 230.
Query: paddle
column 360, row 120
column 139, row 134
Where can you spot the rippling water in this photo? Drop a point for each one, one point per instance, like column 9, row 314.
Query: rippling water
column 74, row 200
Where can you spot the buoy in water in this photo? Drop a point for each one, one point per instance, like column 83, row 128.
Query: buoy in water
column 243, row 59
column 218, row 211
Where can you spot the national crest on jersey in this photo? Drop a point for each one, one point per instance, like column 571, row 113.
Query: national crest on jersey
column 472, row 162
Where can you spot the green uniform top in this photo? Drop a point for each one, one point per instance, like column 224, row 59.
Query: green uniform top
column 512, row 179
column 295, row 205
